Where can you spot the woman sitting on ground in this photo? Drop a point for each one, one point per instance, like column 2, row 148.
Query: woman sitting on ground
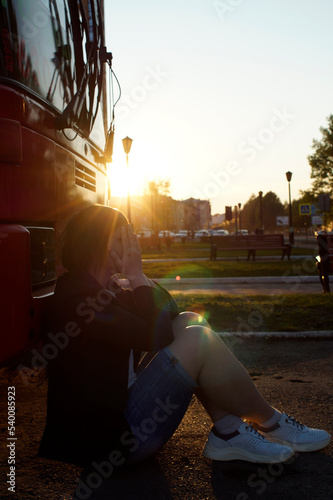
column 103, row 404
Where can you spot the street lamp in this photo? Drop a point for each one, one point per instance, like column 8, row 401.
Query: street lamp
column 240, row 216
column 291, row 229
column 260, row 200
column 127, row 143
column 236, row 231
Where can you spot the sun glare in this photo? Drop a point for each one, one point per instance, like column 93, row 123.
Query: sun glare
column 143, row 167
column 119, row 180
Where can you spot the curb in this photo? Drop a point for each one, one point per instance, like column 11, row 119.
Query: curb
column 240, row 281
column 259, row 258
column 315, row 335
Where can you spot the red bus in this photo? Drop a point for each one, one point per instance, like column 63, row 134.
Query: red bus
column 54, row 146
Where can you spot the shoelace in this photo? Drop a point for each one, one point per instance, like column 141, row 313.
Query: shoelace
column 294, row 422
column 257, row 433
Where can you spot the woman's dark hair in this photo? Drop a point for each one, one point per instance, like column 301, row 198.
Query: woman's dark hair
column 84, row 241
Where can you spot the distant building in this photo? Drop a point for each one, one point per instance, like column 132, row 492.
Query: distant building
column 205, row 214
column 218, row 219
column 157, row 212
column 194, row 214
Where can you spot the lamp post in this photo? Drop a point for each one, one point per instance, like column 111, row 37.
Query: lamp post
column 291, row 229
column 239, row 216
column 260, row 201
column 152, row 206
column 235, row 209
column 127, row 143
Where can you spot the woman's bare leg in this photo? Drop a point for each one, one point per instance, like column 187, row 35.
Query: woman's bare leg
column 226, row 388
column 224, row 384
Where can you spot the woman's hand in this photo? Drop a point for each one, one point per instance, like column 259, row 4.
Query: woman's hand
column 130, row 263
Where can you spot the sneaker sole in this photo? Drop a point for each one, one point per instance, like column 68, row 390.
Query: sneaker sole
column 300, row 447
column 239, row 454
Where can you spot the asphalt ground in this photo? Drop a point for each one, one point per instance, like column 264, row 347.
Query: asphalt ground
column 294, row 375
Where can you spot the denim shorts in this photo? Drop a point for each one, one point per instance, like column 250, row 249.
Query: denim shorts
column 156, row 403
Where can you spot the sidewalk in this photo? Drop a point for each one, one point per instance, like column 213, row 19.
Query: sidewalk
column 271, row 285
column 267, row 285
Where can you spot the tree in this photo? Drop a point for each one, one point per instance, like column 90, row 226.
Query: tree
column 160, row 204
column 160, row 187
column 271, row 208
column 321, row 161
column 249, row 214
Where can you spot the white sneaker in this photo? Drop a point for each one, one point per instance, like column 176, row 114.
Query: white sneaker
column 245, row 444
column 288, row 431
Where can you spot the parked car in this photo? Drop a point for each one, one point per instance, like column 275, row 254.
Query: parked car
column 201, row 235
column 182, row 235
column 165, row 234
column 322, row 231
column 221, row 232
column 144, row 233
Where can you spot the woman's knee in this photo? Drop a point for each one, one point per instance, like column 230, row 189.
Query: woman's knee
column 186, row 319
column 200, row 336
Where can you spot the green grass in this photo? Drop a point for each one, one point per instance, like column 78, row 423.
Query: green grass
column 220, row 268
column 232, row 313
column 260, row 312
column 178, row 251
column 198, row 250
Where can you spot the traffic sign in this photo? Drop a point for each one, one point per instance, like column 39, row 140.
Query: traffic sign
column 307, row 209
column 317, row 220
column 282, row 220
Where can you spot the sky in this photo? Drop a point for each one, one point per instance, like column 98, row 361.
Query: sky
column 220, row 97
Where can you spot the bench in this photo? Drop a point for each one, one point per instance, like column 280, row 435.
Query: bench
column 153, row 242
column 249, row 242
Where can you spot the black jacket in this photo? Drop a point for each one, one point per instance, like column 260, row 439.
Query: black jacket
column 89, row 337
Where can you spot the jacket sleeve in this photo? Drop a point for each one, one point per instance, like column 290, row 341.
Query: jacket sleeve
column 164, row 300
column 145, row 326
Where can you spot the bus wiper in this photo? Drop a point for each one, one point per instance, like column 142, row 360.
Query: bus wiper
column 73, row 110
column 61, row 56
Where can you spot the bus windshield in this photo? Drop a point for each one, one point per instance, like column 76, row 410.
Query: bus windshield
column 52, row 48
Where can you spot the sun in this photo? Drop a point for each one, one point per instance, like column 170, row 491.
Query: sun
column 119, row 180
column 144, row 166
column 124, row 179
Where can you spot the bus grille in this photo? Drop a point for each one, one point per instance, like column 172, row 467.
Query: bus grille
column 85, row 177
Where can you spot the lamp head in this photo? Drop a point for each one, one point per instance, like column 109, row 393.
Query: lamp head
column 127, row 143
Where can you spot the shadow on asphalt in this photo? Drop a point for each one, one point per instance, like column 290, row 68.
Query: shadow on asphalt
column 295, row 479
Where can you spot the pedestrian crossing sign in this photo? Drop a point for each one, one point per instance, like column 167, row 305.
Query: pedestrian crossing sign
column 306, row 209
